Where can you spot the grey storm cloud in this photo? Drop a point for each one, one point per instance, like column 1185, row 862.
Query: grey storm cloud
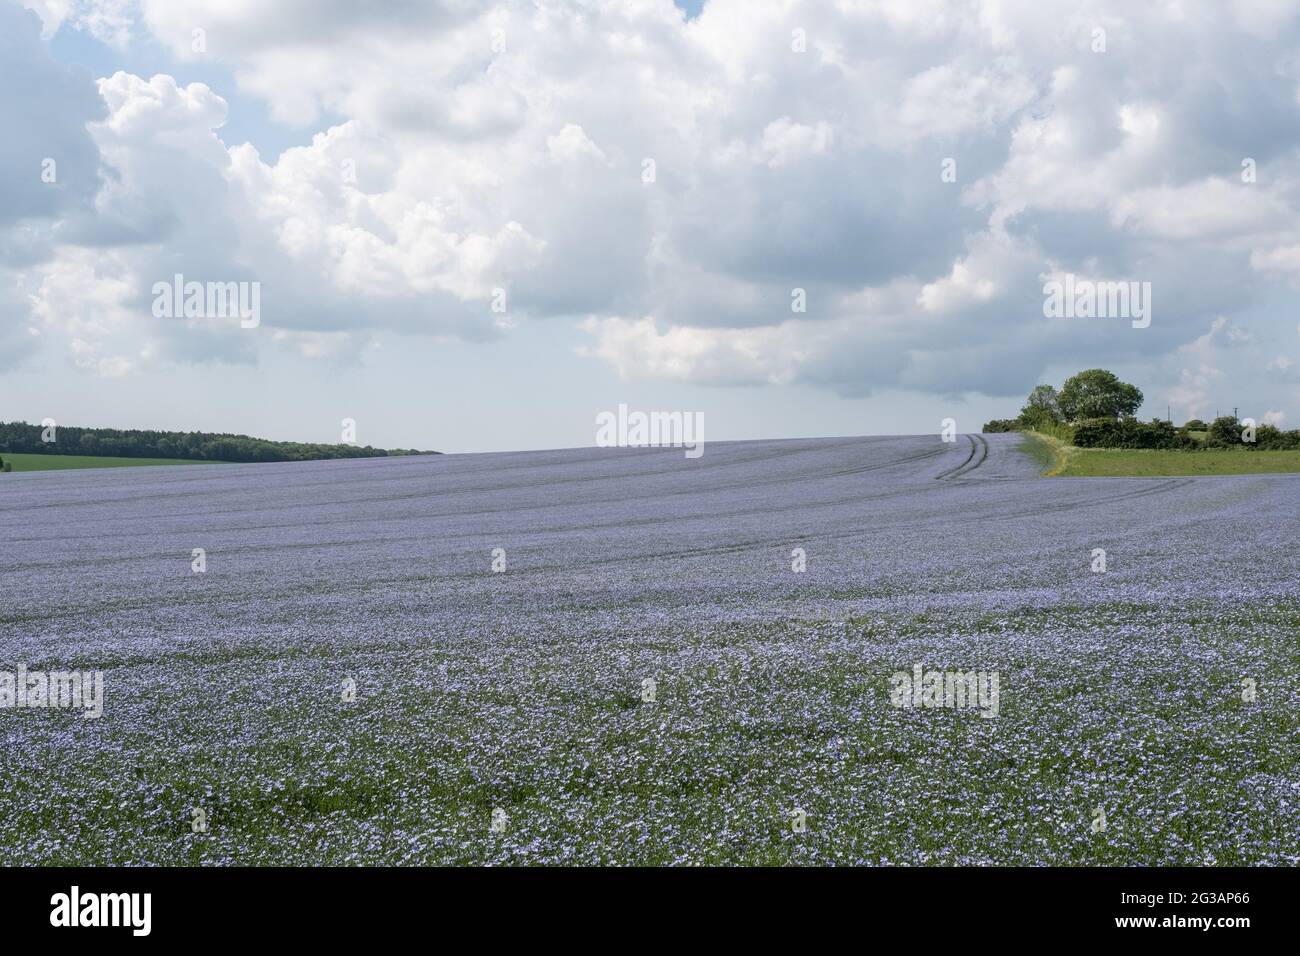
column 45, row 107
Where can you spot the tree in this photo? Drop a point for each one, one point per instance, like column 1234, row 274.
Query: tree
column 1224, row 432
column 1098, row 393
column 21, row 437
column 1043, row 403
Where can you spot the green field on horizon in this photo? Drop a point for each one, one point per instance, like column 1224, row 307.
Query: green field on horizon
column 26, row 461
column 1066, row 461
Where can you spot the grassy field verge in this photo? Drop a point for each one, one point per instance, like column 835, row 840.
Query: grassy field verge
column 23, row 461
column 1066, row 461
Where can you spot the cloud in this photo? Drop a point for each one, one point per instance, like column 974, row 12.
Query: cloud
column 785, row 142
column 571, row 145
column 461, row 150
column 49, row 168
column 48, row 163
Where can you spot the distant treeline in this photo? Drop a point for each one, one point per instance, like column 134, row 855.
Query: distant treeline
column 204, row 446
column 1094, row 409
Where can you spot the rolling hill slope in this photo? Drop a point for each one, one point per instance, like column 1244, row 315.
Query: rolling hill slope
column 769, row 691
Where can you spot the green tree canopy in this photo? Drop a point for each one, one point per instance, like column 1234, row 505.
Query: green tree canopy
column 1098, row 393
column 1224, row 432
column 1043, row 403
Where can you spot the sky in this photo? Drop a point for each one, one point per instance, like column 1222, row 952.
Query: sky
column 475, row 226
